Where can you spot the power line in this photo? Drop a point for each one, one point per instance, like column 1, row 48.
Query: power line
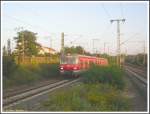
column 94, row 48
column 73, row 41
column 105, row 46
column 133, row 36
column 121, row 7
column 18, row 20
column 109, row 16
column 106, row 29
column 24, row 22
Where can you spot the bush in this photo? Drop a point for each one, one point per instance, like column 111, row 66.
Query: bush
column 50, row 70
column 109, row 74
column 20, row 76
column 25, row 74
column 45, row 70
column 88, row 97
column 9, row 66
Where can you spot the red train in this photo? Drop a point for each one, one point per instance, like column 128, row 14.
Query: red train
column 75, row 64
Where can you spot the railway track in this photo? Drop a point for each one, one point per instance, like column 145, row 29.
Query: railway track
column 138, row 78
column 19, row 90
column 15, row 99
column 140, row 72
column 142, row 68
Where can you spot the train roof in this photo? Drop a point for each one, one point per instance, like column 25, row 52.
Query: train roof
column 78, row 55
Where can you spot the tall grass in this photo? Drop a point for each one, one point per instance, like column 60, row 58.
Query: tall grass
column 15, row 75
column 88, row 97
column 9, row 66
column 101, row 90
column 112, row 75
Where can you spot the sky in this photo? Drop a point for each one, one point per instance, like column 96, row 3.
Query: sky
column 84, row 23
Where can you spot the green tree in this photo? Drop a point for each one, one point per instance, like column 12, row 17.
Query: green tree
column 9, row 47
column 73, row 50
column 4, row 51
column 80, row 50
column 26, row 43
column 9, row 66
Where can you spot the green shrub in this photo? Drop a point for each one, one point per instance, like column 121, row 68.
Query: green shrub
column 24, row 76
column 88, row 97
column 104, row 74
column 9, row 66
column 28, row 74
column 45, row 70
column 50, row 70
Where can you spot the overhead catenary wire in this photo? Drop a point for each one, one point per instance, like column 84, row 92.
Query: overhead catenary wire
column 121, row 7
column 18, row 20
column 133, row 36
column 26, row 23
column 106, row 29
column 105, row 10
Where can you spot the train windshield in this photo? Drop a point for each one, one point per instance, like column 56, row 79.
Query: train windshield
column 69, row 60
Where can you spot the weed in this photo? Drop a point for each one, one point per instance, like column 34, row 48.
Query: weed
column 109, row 74
column 15, row 75
column 88, row 97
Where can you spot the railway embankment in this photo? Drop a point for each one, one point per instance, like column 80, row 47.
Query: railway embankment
column 102, row 89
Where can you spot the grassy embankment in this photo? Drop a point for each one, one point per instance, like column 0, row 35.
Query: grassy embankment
column 16, row 75
column 101, row 90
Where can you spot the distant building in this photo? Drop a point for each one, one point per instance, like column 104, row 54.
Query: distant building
column 46, row 50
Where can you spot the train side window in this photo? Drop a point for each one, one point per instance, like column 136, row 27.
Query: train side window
column 86, row 64
column 81, row 63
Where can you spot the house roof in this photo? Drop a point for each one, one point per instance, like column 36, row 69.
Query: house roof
column 51, row 49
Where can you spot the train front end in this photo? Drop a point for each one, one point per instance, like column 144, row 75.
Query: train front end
column 69, row 66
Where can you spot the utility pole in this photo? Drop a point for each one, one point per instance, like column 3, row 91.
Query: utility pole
column 62, row 43
column 9, row 47
column 118, row 38
column 144, row 54
column 50, row 42
column 50, row 37
column 93, row 46
column 108, row 50
column 125, row 54
column 95, row 49
column 104, row 46
column 22, row 37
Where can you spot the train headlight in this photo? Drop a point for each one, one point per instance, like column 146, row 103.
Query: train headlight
column 61, row 68
column 75, row 68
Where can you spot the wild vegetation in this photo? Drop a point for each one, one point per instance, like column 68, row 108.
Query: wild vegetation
column 101, row 90
column 111, row 74
column 88, row 97
column 14, row 74
column 23, row 65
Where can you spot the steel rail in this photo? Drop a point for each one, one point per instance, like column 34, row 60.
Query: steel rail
column 13, row 100
column 139, row 72
column 24, row 89
column 143, row 80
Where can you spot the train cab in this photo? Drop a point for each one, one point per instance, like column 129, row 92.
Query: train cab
column 69, row 65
